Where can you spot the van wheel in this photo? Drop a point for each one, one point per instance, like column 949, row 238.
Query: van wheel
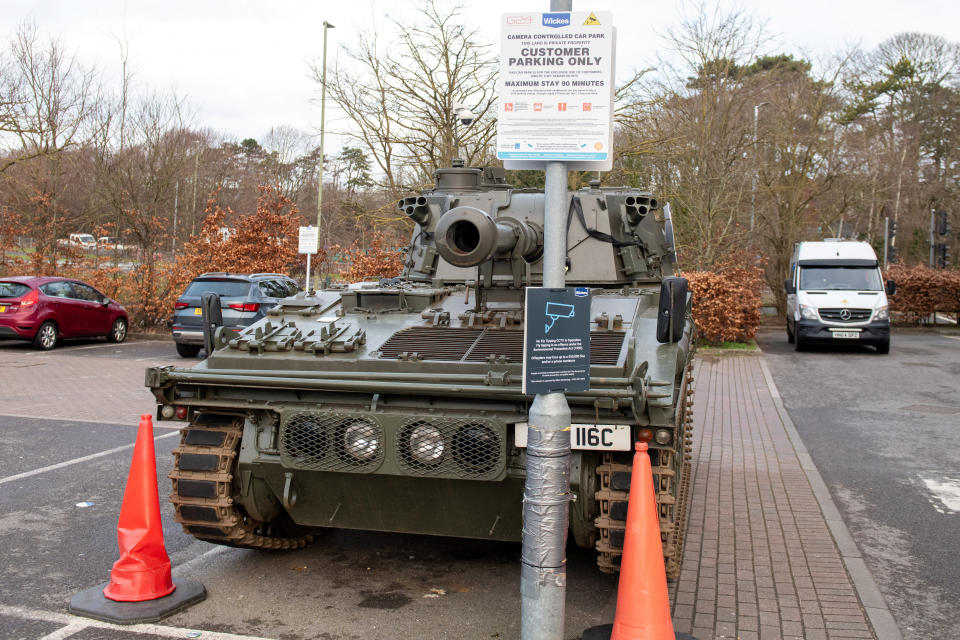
column 790, row 336
column 883, row 347
column 798, row 343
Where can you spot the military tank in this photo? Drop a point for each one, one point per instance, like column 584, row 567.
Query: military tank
column 397, row 405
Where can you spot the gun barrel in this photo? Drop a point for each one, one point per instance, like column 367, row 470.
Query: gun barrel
column 467, row 236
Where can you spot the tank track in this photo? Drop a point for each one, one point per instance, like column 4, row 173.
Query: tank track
column 613, row 497
column 204, row 486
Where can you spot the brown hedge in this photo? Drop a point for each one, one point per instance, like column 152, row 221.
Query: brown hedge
column 726, row 303
column 921, row 291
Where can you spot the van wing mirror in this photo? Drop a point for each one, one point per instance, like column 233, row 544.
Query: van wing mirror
column 891, row 287
column 788, row 287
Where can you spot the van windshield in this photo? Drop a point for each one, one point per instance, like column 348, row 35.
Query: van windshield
column 840, row 279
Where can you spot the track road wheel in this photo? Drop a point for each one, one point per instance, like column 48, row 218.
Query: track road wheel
column 204, row 490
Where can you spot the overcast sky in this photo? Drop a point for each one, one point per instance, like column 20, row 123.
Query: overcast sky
column 243, row 66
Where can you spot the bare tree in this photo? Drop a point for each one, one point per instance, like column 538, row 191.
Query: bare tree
column 400, row 98
column 48, row 98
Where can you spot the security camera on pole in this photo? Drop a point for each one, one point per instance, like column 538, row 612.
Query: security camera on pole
column 555, row 113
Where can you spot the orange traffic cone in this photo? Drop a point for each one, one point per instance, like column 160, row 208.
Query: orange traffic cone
column 141, row 587
column 143, row 570
column 643, row 606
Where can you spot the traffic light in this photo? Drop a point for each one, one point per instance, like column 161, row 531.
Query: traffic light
column 943, row 223
column 891, row 229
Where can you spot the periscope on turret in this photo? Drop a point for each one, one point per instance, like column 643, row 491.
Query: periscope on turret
column 398, row 406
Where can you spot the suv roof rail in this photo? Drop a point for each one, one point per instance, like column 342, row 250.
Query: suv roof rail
column 281, row 275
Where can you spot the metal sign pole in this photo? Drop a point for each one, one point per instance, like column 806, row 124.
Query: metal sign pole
column 886, row 241
column 546, row 496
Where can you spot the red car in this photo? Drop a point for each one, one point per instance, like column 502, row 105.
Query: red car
column 44, row 309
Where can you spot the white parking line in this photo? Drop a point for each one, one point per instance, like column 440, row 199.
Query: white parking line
column 119, row 423
column 75, row 624
column 67, row 463
column 65, row 632
column 944, row 494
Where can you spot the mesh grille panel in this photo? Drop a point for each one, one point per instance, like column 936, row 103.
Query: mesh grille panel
column 331, row 441
column 451, row 447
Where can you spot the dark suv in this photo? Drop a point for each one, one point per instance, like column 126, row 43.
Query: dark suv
column 243, row 298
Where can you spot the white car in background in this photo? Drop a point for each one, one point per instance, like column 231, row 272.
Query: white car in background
column 836, row 294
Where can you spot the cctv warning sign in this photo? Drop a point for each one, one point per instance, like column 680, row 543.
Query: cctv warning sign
column 556, row 90
column 556, row 340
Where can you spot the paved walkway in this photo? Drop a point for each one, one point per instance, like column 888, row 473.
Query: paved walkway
column 762, row 558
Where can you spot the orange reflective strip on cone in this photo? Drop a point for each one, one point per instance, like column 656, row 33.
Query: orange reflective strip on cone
column 143, row 570
column 643, row 605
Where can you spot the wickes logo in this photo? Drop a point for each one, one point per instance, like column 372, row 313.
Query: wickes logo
column 556, row 20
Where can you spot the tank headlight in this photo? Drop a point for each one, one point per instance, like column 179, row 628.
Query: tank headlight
column 882, row 313
column 663, row 436
column 361, row 441
column 426, row 444
column 808, row 313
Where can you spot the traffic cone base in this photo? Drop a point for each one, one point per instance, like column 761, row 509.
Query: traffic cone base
column 91, row 603
column 141, row 588
column 603, row 633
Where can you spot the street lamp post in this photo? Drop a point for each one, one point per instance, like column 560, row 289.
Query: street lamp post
column 753, row 181
column 323, row 114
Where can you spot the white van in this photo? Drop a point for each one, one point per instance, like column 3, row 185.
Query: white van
column 835, row 294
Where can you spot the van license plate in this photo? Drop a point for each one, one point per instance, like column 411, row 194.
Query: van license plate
column 595, row 437
column 846, row 334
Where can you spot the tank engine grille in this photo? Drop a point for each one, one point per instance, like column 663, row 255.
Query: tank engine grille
column 451, row 447
column 332, row 441
column 480, row 345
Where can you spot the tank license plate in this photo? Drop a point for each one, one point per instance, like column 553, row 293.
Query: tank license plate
column 594, row 437
column 846, row 334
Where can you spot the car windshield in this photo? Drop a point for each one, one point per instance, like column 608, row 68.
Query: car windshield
column 84, row 237
column 840, row 279
column 12, row 289
column 225, row 288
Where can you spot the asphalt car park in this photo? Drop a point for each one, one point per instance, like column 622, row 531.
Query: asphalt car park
column 882, row 430
column 68, row 420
